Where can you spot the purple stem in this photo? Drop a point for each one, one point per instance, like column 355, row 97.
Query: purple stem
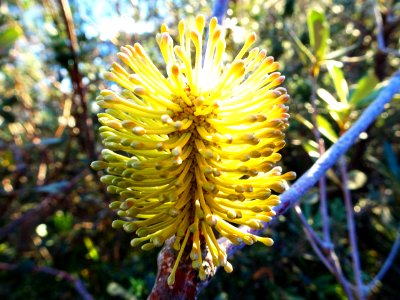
column 333, row 264
column 314, row 240
column 355, row 256
column 307, row 226
column 322, row 180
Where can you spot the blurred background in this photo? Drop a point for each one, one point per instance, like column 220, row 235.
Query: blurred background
column 55, row 224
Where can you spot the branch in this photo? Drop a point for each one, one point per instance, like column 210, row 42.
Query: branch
column 313, row 238
column 288, row 200
column 219, row 10
column 77, row 283
column 85, row 122
column 321, row 148
column 355, row 256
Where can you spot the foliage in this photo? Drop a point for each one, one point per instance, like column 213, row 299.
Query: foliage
column 54, row 210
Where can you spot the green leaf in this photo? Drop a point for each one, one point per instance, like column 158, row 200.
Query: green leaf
column 341, row 87
column 326, row 129
column 9, row 35
column 63, row 221
column 363, row 90
column 318, row 30
column 311, row 147
column 93, row 253
column 303, row 50
column 333, row 104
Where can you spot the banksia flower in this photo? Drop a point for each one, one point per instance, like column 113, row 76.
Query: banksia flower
column 192, row 152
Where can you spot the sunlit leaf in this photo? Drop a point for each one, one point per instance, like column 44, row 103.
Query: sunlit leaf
column 9, row 34
column 336, row 109
column 303, row 50
column 339, row 81
column 318, row 29
column 364, row 90
column 311, row 147
column 326, row 129
column 340, row 52
column 93, row 253
column 333, row 104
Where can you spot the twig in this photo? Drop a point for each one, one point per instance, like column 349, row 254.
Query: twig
column 314, row 240
column 77, row 283
column 347, row 287
column 333, row 264
column 351, row 228
column 328, row 258
column 386, row 266
column 308, row 180
column 85, row 122
column 321, row 149
column 307, row 226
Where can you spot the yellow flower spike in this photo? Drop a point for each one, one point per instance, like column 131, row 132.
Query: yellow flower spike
column 164, row 28
column 249, row 41
column 181, row 29
column 191, row 150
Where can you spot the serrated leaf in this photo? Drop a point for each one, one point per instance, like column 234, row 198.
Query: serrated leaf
column 340, row 83
column 318, row 30
column 363, row 90
column 326, row 129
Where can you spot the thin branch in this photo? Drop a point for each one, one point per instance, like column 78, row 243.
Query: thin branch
column 347, row 287
column 307, row 226
column 321, row 149
column 355, row 256
column 82, row 114
column 386, row 266
column 314, row 240
column 303, row 184
column 333, row 264
column 77, row 283
column 329, row 259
